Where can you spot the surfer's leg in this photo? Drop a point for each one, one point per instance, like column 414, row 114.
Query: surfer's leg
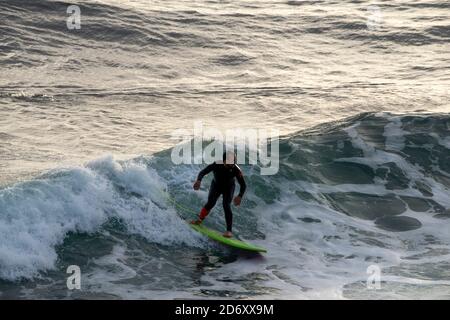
column 214, row 194
column 227, row 197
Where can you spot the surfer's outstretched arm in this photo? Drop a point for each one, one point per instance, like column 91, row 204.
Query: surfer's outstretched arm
column 242, row 186
column 205, row 171
column 241, row 181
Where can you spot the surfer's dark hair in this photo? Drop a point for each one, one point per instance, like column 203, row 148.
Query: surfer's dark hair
column 224, row 157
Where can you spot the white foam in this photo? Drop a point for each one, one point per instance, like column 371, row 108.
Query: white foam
column 36, row 216
column 300, row 264
column 395, row 135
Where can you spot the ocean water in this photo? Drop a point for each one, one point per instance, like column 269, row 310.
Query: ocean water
column 358, row 90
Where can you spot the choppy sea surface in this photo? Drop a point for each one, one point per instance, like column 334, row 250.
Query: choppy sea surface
column 359, row 91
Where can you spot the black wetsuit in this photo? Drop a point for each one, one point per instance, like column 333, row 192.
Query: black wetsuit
column 223, row 184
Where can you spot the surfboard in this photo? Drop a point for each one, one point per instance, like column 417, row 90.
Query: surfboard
column 232, row 242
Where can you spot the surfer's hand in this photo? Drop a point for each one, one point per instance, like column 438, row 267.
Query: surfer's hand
column 197, row 185
column 237, row 201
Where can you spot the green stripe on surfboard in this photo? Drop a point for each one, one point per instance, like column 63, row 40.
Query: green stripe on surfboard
column 228, row 241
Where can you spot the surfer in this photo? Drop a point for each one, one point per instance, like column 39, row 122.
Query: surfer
column 222, row 184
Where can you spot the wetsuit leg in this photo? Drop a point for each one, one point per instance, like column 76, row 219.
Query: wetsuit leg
column 228, row 194
column 214, row 194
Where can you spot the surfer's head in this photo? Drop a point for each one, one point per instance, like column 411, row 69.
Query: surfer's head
column 229, row 158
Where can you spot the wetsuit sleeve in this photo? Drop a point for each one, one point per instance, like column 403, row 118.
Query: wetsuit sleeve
column 205, row 171
column 241, row 181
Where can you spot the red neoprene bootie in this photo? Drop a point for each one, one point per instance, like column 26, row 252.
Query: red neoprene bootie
column 203, row 213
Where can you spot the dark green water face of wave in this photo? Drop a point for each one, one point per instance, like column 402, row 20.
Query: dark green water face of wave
column 376, row 168
column 372, row 189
